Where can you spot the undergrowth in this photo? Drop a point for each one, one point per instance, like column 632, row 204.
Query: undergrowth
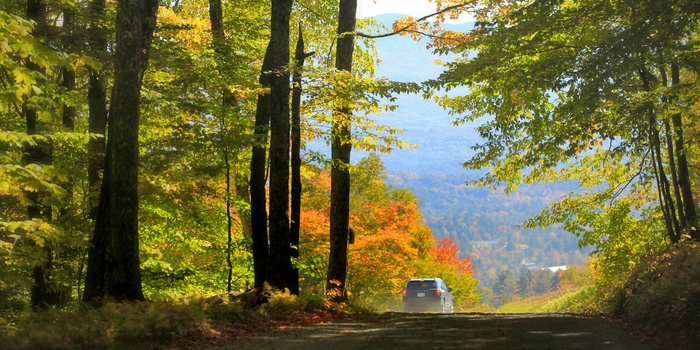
column 659, row 298
column 111, row 326
column 143, row 325
column 664, row 291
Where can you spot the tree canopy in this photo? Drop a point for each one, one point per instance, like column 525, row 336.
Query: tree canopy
column 145, row 117
column 598, row 92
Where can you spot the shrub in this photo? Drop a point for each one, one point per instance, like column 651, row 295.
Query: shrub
column 664, row 290
column 114, row 325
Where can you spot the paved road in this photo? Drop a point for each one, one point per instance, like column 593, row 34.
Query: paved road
column 454, row 331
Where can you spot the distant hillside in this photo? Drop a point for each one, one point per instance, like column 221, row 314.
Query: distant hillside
column 403, row 59
column 483, row 222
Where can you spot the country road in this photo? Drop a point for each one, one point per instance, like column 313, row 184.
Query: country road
column 453, row 331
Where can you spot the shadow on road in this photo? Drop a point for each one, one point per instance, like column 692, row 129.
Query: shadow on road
column 456, row 331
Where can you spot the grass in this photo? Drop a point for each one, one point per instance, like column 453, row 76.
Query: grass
column 153, row 325
column 113, row 326
column 578, row 301
column 663, row 292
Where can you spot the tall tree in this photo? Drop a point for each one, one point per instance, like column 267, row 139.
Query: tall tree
column 341, row 146
column 505, row 286
column 97, row 101
column 38, row 153
column 280, row 258
column 117, row 219
column 296, row 187
column 228, row 101
column 31, row 184
column 272, row 114
column 97, row 127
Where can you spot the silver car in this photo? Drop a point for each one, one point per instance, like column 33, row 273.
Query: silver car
column 427, row 294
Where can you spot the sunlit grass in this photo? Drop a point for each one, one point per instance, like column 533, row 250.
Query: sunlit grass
column 579, row 301
column 141, row 325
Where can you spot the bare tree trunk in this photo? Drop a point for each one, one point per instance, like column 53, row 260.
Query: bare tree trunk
column 118, row 212
column 42, row 295
column 690, row 216
column 300, row 56
column 97, row 126
column 280, row 258
column 340, row 148
column 258, row 178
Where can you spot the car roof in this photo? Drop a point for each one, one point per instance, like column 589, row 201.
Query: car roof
column 425, row 279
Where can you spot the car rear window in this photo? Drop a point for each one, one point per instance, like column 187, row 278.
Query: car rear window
column 413, row 285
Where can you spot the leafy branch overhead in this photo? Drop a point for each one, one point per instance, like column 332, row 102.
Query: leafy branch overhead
column 598, row 93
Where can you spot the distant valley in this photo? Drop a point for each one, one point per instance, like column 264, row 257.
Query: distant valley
column 434, row 173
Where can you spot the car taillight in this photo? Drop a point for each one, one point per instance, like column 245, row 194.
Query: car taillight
column 438, row 292
column 405, row 291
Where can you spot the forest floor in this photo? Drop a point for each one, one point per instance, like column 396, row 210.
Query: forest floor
column 430, row 331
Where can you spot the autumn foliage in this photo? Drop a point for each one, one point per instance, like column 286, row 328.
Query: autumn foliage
column 392, row 242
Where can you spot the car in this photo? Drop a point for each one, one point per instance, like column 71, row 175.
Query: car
column 427, row 294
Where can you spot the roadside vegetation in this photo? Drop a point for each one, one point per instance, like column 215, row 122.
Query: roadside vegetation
column 659, row 298
column 192, row 323
column 554, row 302
column 654, row 301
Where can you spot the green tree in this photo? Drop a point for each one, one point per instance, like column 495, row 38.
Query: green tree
column 341, row 147
column 567, row 90
column 525, row 284
column 505, row 287
column 40, row 240
column 38, row 153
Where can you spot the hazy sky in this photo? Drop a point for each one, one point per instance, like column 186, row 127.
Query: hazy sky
column 368, row 8
column 415, row 8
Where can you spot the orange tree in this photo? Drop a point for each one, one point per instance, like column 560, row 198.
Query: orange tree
column 392, row 242
column 443, row 261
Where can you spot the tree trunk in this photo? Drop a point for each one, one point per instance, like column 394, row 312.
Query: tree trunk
column 118, row 212
column 280, row 258
column 258, row 198
column 666, row 203
column 228, row 101
column 97, row 103
column 97, row 126
column 41, row 293
column 300, row 56
column 340, row 153
column 690, row 222
column 258, row 178
column 68, row 75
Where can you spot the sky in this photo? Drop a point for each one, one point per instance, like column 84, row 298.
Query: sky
column 415, row 8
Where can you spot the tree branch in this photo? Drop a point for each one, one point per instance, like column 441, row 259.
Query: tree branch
column 405, row 28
